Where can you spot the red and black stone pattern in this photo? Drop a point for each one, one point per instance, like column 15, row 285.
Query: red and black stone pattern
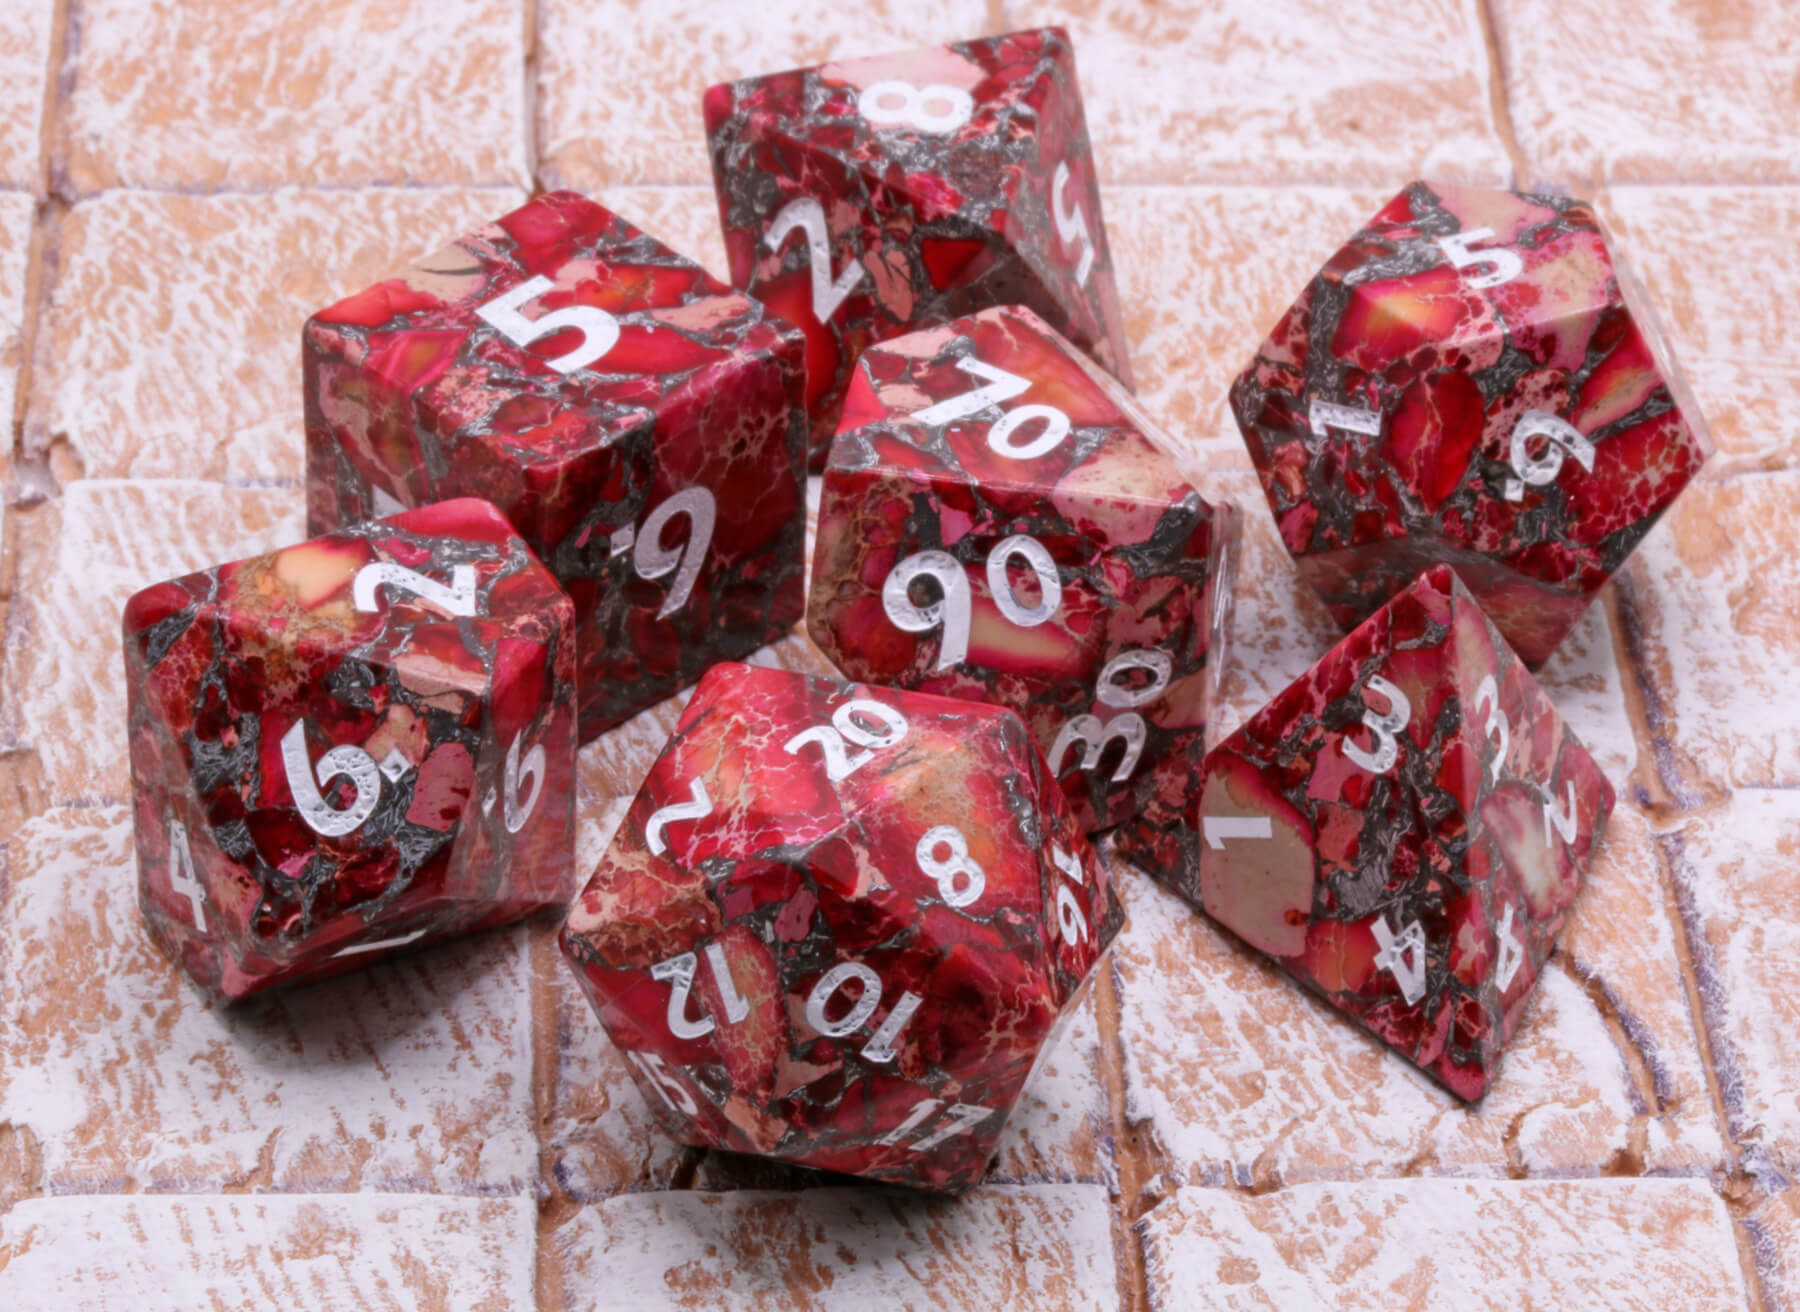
column 1032, row 546
column 641, row 424
column 357, row 745
column 1472, row 380
column 1403, row 830
column 864, row 198
column 839, row 924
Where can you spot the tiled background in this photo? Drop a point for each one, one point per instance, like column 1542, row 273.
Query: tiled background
column 181, row 182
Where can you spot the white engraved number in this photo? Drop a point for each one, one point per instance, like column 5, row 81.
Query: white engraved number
column 1108, row 691
column 880, row 1047
column 947, row 870
column 1503, row 265
column 653, row 560
column 181, row 872
column 1001, row 386
column 1386, row 727
column 1217, row 829
column 1512, row 952
column 1403, row 955
column 678, row 972
column 877, row 103
column 667, row 1087
column 1488, row 695
column 1071, row 925
column 1323, row 416
column 458, row 598
column 699, row 807
column 959, row 1117
column 1071, row 223
column 951, row 610
column 831, row 738
column 1562, row 439
column 808, row 215
column 531, row 767
column 1563, row 822
column 599, row 330
column 1093, row 737
column 1023, row 547
column 320, row 815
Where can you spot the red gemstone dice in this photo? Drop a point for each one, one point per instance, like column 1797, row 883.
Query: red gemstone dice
column 641, row 424
column 1000, row 523
column 355, row 745
column 1472, row 381
column 1404, row 831
column 867, row 197
column 839, row 924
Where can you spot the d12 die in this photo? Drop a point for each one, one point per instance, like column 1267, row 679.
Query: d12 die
column 640, row 423
column 1404, row 831
column 355, row 745
column 1472, row 381
column 839, row 924
column 999, row 523
column 866, row 197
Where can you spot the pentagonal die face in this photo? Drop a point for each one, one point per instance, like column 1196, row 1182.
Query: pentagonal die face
column 838, row 925
column 1404, row 830
column 1466, row 383
column 640, row 424
column 997, row 524
column 867, row 197
column 352, row 746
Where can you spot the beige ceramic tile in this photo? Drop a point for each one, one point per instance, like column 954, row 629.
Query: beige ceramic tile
column 1773, row 1231
column 1259, row 91
column 1697, row 91
column 1719, row 265
column 620, row 81
column 411, row 1074
column 17, row 212
column 1406, row 1245
column 1736, row 867
column 1048, row 1246
column 1710, row 596
column 363, row 1251
column 326, row 92
column 171, row 348
column 1233, row 1074
column 81, row 556
column 24, row 65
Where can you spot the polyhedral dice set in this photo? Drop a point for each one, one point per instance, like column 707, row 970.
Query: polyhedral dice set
column 556, row 474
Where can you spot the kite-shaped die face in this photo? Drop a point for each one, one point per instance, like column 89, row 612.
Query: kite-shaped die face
column 839, row 925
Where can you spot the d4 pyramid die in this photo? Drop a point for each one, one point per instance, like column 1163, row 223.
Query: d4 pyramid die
column 641, row 424
column 1474, row 380
column 839, row 925
column 1404, row 831
column 349, row 747
column 867, row 197
column 999, row 522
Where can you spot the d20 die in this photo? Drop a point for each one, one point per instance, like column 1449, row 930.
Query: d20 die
column 1404, row 831
column 999, row 523
column 352, row 746
column 839, row 924
column 640, row 424
column 1473, row 380
column 867, row 197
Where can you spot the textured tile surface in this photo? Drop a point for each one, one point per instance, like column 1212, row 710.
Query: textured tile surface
column 24, row 66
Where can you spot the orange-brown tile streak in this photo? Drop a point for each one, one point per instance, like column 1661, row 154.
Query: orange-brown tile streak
column 181, row 183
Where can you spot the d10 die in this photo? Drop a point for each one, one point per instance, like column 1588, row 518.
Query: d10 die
column 352, row 746
column 870, row 196
column 1470, row 381
column 999, row 523
column 640, row 423
column 839, row 924
column 1404, row 831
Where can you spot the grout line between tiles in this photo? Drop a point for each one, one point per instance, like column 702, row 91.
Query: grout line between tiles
column 1499, row 100
column 1128, row 1161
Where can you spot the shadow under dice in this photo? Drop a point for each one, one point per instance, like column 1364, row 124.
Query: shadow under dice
column 356, row 745
column 1404, row 830
column 1471, row 381
column 997, row 524
column 839, row 925
column 640, row 423
column 867, row 197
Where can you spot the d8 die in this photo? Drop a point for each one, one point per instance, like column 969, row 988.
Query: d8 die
column 999, row 523
column 355, row 745
column 866, row 197
column 1470, row 381
column 640, row 424
column 1404, row 831
column 839, row 924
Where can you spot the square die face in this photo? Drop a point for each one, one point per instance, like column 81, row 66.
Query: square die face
column 1404, row 830
column 637, row 421
column 349, row 746
column 922, row 185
